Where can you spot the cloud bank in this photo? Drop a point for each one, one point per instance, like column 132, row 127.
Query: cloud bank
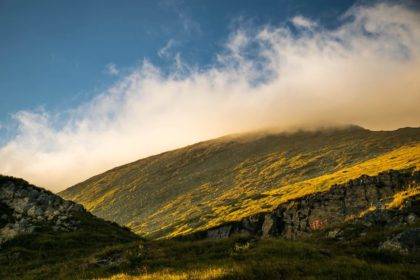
column 366, row 72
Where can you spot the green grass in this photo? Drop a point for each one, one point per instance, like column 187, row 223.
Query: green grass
column 234, row 258
column 54, row 255
column 207, row 184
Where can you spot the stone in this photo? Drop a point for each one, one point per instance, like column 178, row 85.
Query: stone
column 24, row 208
column 411, row 218
column 221, row 232
column 392, row 245
column 408, row 240
column 34, row 211
column 333, row 233
column 267, row 226
column 353, row 202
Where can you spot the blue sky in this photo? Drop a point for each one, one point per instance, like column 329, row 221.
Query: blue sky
column 55, row 54
column 89, row 85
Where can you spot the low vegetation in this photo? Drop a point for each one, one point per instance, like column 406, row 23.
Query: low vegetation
column 210, row 183
column 58, row 257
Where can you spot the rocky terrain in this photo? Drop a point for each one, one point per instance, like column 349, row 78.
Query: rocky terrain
column 367, row 200
column 25, row 209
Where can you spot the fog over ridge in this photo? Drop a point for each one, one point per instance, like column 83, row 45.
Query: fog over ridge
column 366, row 72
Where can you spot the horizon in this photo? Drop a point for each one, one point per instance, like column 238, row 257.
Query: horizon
column 357, row 64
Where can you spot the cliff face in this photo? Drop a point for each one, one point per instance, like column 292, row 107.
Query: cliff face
column 364, row 199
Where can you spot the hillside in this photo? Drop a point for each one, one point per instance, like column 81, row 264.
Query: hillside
column 40, row 231
column 226, row 179
column 381, row 244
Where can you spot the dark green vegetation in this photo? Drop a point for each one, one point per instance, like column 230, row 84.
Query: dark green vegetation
column 42, row 235
column 229, row 178
column 82, row 255
column 54, row 255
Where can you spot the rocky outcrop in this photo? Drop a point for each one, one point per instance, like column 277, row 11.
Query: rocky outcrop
column 318, row 211
column 25, row 208
column 404, row 242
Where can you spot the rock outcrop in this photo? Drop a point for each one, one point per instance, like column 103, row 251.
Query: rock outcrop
column 362, row 200
column 25, row 208
column 403, row 242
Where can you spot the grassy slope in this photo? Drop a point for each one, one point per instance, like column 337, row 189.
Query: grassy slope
column 206, row 184
column 56, row 255
column 48, row 254
column 233, row 258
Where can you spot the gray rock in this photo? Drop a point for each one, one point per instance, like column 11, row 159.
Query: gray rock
column 267, row 226
column 221, row 232
column 344, row 202
column 333, row 233
column 30, row 207
column 411, row 218
column 408, row 240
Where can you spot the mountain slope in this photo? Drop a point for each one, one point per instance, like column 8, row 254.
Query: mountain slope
column 226, row 179
column 365, row 248
column 45, row 234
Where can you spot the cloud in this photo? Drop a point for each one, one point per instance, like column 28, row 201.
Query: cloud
column 165, row 51
column 365, row 72
column 303, row 22
column 188, row 24
column 111, row 69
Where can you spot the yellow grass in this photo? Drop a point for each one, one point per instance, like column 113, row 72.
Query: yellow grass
column 402, row 158
column 166, row 274
column 207, row 184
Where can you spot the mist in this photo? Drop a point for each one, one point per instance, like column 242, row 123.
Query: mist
column 366, row 71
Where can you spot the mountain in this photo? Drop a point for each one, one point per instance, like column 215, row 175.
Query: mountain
column 211, row 183
column 338, row 224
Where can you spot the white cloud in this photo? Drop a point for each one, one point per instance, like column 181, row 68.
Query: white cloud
column 303, row 22
column 165, row 51
column 345, row 75
column 111, row 69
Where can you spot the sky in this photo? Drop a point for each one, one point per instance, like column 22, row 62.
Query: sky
column 89, row 85
column 56, row 54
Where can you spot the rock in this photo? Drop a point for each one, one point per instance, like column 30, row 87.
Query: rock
column 110, row 259
column 267, row 225
column 221, row 232
column 77, row 208
column 333, row 233
column 24, row 207
column 406, row 241
column 34, row 211
column 344, row 202
column 411, row 218
column 392, row 245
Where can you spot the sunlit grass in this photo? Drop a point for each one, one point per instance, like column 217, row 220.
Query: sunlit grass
column 207, row 184
column 399, row 198
column 402, row 158
column 167, row 274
